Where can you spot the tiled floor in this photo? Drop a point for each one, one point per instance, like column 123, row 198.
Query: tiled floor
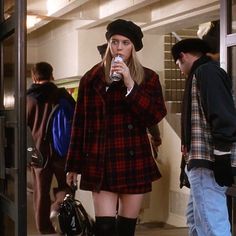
column 148, row 229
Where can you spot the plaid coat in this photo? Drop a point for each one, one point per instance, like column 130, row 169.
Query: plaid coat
column 109, row 144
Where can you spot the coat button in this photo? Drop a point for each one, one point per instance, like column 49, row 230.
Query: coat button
column 102, row 134
column 131, row 153
column 130, row 126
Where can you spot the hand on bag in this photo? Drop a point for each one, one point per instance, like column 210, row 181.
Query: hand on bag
column 71, row 178
column 222, row 170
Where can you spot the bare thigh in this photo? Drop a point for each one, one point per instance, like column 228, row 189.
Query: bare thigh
column 130, row 204
column 105, row 203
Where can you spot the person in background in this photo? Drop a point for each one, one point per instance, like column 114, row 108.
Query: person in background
column 109, row 144
column 102, row 49
column 40, row 100
column 210, row 33
column 208, row 137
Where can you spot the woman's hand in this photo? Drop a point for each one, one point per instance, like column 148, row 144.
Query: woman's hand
column 71, row 178
column 121, row 68
column 128, row 81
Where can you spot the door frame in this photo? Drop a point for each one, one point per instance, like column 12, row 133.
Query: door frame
column 227, row 41
column 15, row 209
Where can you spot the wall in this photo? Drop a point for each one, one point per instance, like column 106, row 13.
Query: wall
column 178, row 198
column 57, row 44
column 87, row 47
column 167, row 201
column 72, row 52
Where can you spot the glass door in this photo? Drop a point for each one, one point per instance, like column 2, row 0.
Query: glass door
column 228, row 62
column 12, row 118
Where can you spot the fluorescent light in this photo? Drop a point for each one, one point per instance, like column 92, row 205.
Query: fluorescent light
column 54, row 5
column 32, row 21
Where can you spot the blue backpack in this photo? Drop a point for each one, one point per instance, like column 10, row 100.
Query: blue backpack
column 58, row 128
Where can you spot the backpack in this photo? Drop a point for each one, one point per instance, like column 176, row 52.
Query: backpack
column 58, row 129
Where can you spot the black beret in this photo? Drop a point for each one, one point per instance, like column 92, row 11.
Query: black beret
column 189, row 45
column 127, row 29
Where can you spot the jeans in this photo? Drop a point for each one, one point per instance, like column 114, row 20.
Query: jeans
column 207, row 213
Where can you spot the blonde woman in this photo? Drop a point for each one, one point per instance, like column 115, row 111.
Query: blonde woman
column 109, row 144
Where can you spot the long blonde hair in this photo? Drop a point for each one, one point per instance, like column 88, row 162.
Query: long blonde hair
column 135, row 67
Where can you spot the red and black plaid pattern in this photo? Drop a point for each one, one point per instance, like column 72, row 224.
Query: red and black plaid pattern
column 109, row 144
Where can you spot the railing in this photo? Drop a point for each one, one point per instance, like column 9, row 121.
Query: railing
column 174, row 79
column 174, row 84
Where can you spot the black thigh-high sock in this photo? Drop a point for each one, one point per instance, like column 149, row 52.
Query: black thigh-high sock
column 105, row 226
column 126, row 226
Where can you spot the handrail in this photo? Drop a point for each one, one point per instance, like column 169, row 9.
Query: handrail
column 176, row 36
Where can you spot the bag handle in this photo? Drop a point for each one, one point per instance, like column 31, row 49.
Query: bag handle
column 73, row 188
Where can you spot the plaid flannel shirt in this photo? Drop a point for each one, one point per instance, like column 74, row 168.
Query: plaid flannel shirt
column 201, row 151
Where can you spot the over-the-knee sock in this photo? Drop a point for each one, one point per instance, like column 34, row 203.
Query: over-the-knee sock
column 105, row 226
column 126, row 226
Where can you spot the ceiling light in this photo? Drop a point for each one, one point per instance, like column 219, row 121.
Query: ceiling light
column 32, row 21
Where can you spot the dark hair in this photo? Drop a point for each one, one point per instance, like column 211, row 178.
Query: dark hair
column 212, row 37
column 42, row 71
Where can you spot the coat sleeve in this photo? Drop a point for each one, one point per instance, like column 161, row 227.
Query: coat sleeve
column 146, row 100
column 218, row 105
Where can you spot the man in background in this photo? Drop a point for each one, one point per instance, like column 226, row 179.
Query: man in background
column 208, row 123
column 42, row 95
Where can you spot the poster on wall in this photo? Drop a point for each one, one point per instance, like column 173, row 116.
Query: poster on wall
column 70, row 84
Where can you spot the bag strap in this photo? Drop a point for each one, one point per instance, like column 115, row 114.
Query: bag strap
column 57, row 95
column 73, row 188
column 49, row 122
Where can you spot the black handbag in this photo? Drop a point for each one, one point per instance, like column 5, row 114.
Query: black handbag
column 72, row 218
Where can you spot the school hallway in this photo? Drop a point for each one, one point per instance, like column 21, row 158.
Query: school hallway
column 147, row 229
